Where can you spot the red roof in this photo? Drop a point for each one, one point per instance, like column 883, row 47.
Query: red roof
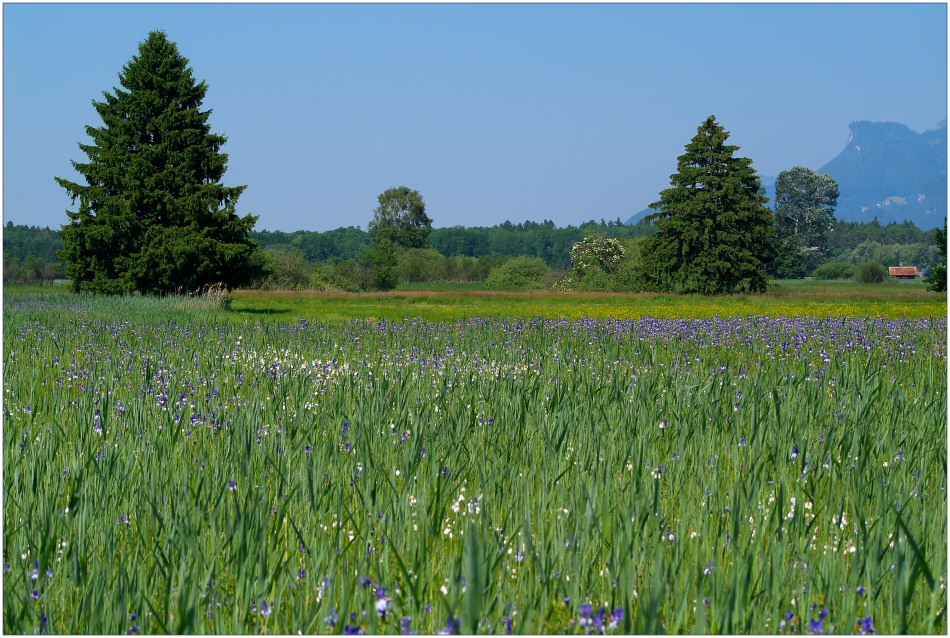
column 903, row 271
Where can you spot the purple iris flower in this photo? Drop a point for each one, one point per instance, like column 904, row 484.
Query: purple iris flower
column 332, row 619
column 615, row 617
column 866, row 626
column 451, row 627
column 382, row 603
column 352, row 631
column 232, row 486
column 815, row 626
column 862, row 592
column 508, row 627
column 406, row 626
column 585, row 619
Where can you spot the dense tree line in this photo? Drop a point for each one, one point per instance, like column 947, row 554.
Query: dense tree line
column 465, row 254
column 30, row 254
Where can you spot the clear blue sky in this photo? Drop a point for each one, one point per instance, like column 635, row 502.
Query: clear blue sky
column 491, row 111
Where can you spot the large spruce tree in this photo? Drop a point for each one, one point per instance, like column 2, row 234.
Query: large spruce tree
column 153, row 215
column 713, row 228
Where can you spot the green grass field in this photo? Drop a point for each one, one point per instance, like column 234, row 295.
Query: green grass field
column 769, row 464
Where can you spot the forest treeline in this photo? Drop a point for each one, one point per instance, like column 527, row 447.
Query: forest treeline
column 296, row 259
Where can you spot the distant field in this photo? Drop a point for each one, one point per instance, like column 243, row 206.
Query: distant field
column 450, row 302
column 816, row 299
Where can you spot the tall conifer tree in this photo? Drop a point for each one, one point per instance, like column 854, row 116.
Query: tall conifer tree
column 713, row 228
column 153, row 215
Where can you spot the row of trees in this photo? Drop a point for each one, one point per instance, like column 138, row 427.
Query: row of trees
column 154, row 217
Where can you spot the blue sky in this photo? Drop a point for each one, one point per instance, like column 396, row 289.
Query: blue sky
column 493, row 112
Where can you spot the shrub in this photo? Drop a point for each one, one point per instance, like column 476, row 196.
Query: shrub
column 421, row 265
column 520, row 273
column 870, row 272
column 605, row 265
column 334, row 276
column 834, row 270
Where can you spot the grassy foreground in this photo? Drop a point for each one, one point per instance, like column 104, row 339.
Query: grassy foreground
column 172, row 469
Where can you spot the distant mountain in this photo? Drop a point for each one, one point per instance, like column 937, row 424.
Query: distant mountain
column 890, row 172
column 885, row 171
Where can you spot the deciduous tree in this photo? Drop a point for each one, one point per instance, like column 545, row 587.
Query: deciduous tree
column 805, row 203
column 401, row 218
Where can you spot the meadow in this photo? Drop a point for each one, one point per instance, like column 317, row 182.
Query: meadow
column 458, row 461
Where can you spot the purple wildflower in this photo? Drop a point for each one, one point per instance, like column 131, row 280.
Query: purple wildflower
column 794, row 453
column 451, row 626
column 365, row 582
column 615, row 617
column 862, row 592
column 866, row 626
column 353, row 631
column 816, row 626
column 585, row 619
column 382, row 603
column 406, row 626
column 232, row 486
column 332, row 619
column 308, row 449
column 508, row 627
column 302, row 574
